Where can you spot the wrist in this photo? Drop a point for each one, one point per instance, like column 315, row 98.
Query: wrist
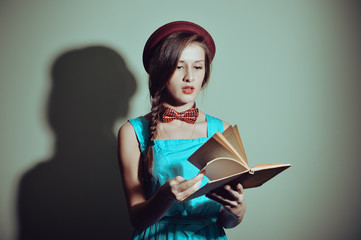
column 228, row 219
column 165, row 194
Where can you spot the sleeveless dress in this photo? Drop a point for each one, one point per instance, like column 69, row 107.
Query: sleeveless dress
column 191, row 219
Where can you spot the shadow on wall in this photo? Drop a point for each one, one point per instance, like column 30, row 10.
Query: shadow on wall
column 77, row 194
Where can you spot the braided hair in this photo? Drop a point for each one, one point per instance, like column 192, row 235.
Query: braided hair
column 164, row 60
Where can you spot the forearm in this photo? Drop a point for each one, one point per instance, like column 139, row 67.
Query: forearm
column 228, row 220
column 145, row 214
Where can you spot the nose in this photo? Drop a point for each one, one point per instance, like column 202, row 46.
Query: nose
column 189, row 75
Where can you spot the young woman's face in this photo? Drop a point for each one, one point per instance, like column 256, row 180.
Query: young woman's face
column 186, row 81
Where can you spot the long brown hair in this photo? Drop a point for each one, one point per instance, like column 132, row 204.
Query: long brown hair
column 164, row 60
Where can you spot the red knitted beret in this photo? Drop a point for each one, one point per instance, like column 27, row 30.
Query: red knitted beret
column 173, row 27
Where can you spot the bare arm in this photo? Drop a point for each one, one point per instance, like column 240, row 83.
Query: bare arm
column 142, row 212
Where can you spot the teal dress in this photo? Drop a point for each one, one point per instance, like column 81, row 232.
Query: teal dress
column 191, row 219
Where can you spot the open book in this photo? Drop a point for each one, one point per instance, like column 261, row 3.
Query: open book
column 224, row 160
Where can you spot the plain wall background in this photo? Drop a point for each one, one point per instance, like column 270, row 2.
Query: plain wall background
column 286, row 72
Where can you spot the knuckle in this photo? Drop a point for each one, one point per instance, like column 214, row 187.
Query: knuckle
column 178, row 178
column 172, row 182
column 173, row 193
column 178, row 196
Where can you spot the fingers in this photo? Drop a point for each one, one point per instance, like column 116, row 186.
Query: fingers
column 182, row 188
column 240, row 188
column 237, row 194
column 191, row 182
column 189, row 191
column 233, row 193
column 175, row 181
column 228, row 196
column 222, row 200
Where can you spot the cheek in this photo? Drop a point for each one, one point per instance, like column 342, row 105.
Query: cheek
column 200, row 79
column 171, row 87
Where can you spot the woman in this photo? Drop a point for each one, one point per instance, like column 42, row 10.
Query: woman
column 153, row 149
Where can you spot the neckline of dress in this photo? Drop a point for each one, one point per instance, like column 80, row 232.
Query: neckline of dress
column 179, row 139
column 182, row 139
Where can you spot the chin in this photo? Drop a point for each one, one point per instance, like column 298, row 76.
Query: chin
column 188, row 100
column 181, row 102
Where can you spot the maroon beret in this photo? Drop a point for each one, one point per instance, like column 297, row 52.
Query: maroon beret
column 173, row 27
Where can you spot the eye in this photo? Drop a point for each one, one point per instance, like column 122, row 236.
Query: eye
column 179, row 67
column 198, row 67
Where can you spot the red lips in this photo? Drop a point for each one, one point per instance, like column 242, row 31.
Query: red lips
column 188, row 89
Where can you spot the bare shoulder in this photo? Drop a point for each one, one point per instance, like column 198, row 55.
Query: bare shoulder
column 126, row 131
column 127, row 142
column 202, row 117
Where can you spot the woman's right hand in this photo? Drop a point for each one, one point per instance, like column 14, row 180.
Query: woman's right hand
column 144, row 212
column 178, row 188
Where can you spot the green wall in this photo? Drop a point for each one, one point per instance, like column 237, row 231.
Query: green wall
column 286, row 72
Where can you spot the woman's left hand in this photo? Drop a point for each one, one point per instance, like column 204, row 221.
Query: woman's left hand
column 233, row 202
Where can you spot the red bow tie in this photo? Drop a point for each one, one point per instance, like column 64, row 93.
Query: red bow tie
column 189, row 116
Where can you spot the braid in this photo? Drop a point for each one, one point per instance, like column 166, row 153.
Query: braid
column 163, row 62
column 154, row 116
column 146, row 168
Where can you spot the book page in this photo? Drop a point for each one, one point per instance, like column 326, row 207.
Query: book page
column 268, row 166
column 210, row 150
column 233, row 137
column 220, row 138
column 223, row 167
column 239, row 141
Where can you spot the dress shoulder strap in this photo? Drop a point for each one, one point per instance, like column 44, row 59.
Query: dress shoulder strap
column 140, row 125
column 214, row 125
